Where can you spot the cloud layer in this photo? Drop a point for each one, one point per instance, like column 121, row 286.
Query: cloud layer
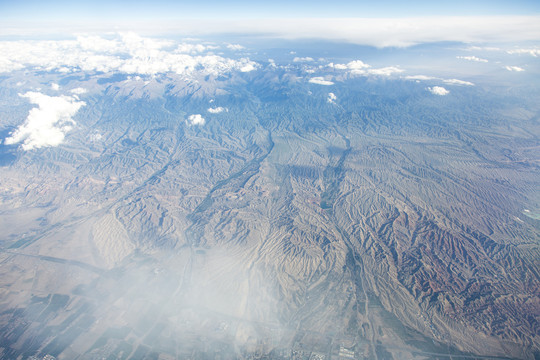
column 47, row 124
column 379, row 32
column 125, row 53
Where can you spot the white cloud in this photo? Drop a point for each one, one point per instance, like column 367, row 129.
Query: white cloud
column 420, row 77
column 303, row 59
column 47, row 124
column 78, row 91
column 331, row 98
column 248, row 66
column 430, row 78
column 126, row 53
column 217, row 110
column 339, row 66
column 195, row 119
column 55, row 86
column 235, row 47
column 8, row 65
column 190, row 48
column 483, row 48
column 357, row 64
column 352, row 65
column 358, row 67
column 320, row 80
column 472, row 58
column 457, row 82
column 514, row 68
column 386, row 71
column 533, row 52
column 438, row 90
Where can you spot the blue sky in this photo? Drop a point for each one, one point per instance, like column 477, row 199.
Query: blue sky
column 169, row 9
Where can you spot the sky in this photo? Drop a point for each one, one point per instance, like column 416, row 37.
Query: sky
column 170, row 9
column 378, row 23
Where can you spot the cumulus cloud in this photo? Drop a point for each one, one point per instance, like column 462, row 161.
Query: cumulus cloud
column 472, row 58
column 303, row 59
column 55, row 86
column 438, row 90
column 357, row 64
column 126, row 53
column 47, row 124
column 352, row 65
column 331, row 98
column 320, row 80
column 195, row 119
column 248, row 66
column 217, row 110
column 8, row 65
column 514, row 68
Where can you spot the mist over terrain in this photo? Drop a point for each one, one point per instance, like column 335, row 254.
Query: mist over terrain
column 224, row 198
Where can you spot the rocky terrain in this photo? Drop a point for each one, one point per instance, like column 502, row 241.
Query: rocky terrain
column 386, row 223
